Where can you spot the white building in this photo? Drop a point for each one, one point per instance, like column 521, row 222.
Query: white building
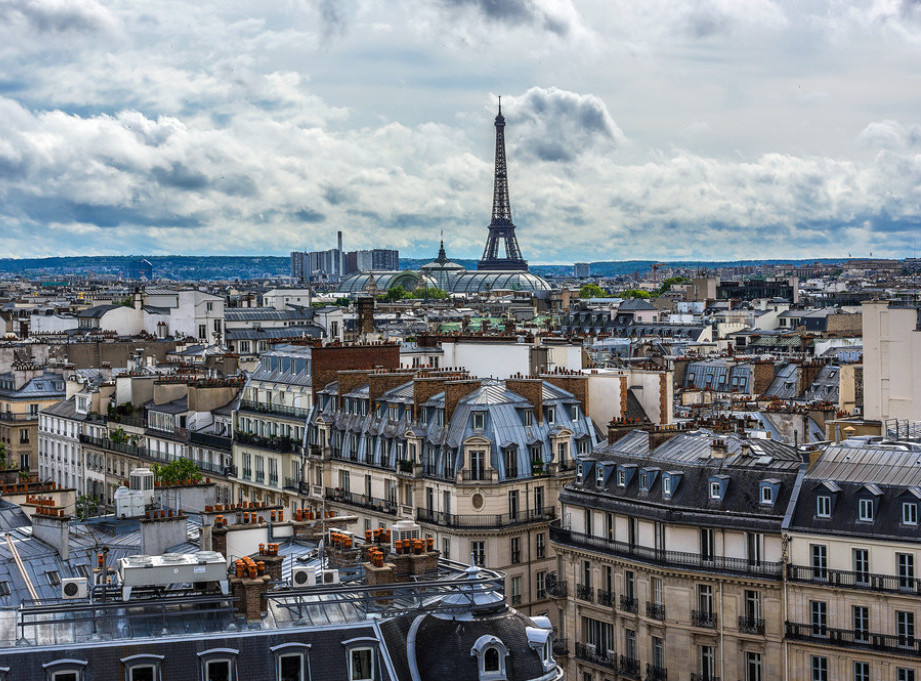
column 891, row 362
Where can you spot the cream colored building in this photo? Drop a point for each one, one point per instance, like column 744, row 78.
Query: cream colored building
column 891, row 362
column 478, row 464
column 670, row 558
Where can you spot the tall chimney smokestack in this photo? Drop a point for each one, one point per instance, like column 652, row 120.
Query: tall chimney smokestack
column 341, row 255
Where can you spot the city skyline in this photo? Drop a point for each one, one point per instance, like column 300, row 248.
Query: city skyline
column 693, row 130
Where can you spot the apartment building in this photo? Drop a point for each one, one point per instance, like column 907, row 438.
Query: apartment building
column 853, row 583
column 477, row 463
column 24, row 392
column 669, row 557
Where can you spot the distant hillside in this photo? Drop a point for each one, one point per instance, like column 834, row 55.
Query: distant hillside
column 231, row 267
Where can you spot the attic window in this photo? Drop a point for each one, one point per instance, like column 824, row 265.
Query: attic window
column 54, row 579
column 479, row 420
column 909, row 513
column 599, row 477
column 666, row 486
column 865, row 510
column 551, row 415
column 4, row 588
column 715, row 490
column 490, row 653
column 621, row 478
column 767, row 495
column 579, row 474
column 823, row 506
column 644, row 483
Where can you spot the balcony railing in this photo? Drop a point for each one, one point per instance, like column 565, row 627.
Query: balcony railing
column 655, row 611
column 703, row 618
column 605, row 598
column 436, row 473
column 628, row 604
column 293, row 484
column 476, row 520
column 654, row 673
column 865, row 581
column 629, row 666
column 120, row 447
column 18, row 418
column 479, row 475
column 276, row 409
column 211, row 440
column 561, row 646
column 555, row 587
column 362, row 501
column 676, row 559
column 589, row 653
column 584, row 593
column 751, row 625
column 855, row 640
column 282, row 445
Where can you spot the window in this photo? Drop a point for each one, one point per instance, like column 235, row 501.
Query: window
column 621, row 478
column 528, row 418
column 630, row 584
column 715, row 490
column 478, row 549
column 65, row 670
column 479, row 420
column 865, row 510
column 657, row 593
column 818, row 611
column 491, row 660
column 361, row 664
column 754, row 547
column 707, row 662
column 551, row 415
column 906, row 567
column 446, row 548
column 658, row 652
column 540, row 548
column 752, row 666
column 541, row 579
column 861, row 671
column 511, row 462
column 752, row 605
column 513, row 505
column 823, row 508
column 860, row 616
column 539, row 500
column 767, row 494
column 478, row 465
column 515, row 590
column 491, row 654
column 861, row 566
column 54, row 579
column 202, row 330
column 706, row 543
column 219, row 664
column 905, row 628
column 904, row 674
column 909, row 513
column 819, row 668
column 705, row 599
column 666, row 485
column 145, row 667
column 819, row 554
column 515, row 550
column 644, row 485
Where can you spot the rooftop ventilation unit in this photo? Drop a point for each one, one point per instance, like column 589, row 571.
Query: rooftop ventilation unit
column 303, row 576
column 74, row 587
column 329, row 577
column 172, row 568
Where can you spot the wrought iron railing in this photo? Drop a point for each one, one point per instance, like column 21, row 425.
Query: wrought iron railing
column 865, row 581
column 584, row 593
column 654, row 673
column 605, row 598
column 655, row 610
column 628, row 604
column 589, row 653
column 855, row 639
column 484, row 519
column 629, row 667
column 751, row 625
column 276, row 409
column 361, row 500
column 703, row 618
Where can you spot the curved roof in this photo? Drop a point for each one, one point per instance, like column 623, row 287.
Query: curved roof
column 385, row 281
column 491, row 280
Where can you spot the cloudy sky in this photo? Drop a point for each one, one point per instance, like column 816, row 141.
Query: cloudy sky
column 670, row 129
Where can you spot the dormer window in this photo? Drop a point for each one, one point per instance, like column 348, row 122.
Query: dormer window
column 768, row 491
column 490, row 653
column 621, row 478
column 865, row 510
column 579, row 474
column 823, row 506
column 551, row 415
column 528, row 418
column 599, row 476
column 479, row 420
column 767, row 495
column 715, row 490
column 644, row 485
column 909, row 513
column 667, row 486
column 361, row 664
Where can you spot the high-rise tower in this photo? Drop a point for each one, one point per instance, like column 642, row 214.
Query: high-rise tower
column 501, row 228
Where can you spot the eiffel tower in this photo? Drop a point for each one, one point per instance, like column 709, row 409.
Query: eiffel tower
column 501, row 229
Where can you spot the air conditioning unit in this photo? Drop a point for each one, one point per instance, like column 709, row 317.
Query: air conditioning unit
column 303, row 576
column 74, row 587
column 329, row 577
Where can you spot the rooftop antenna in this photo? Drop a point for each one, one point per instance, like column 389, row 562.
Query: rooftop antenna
column 500, row 105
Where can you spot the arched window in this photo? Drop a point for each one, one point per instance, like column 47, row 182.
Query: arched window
column 491, row 659
column 490, row 653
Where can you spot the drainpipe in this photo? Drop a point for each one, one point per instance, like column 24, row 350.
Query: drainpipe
column 722, row 671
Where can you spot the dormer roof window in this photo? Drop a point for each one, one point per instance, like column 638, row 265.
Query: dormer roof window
column 717, row 485
column 768, row 491
column 865, row 510
column 491, row 654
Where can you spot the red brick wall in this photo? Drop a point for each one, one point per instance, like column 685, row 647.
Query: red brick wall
column 532, row 390
column 454, row 392
column 330, row 359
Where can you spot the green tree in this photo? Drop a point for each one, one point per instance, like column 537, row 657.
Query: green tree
column 671, row 281
column 86, row 506
column 395, row 294
column 634, row 293
column 429, row 292
column 118, row 435
column 592, row 291
column 177, row 471
column 2, row 455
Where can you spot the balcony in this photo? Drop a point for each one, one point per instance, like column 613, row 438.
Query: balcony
column 282, row 445
column 605, row 598
column 11, row 417
column 629, row 667
column 655, row 611
column 484, row 520
column 751, row 625
column 628, row 604
column 556, row 588
column 478, row 476
column 293, row 485
column 855, row 639
column 703, row 618
column 361, row 501
column 432, row 471
column 281, row 410
column 560, row 646
column 863, row 581
column 318, row 452
column 211, row 440
column 672, row 559
column 584, row 593
column 654, row 673
column 588, row 653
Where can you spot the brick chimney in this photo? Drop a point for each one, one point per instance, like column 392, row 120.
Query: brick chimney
column 455, row 391
column 577, row 384
column 763, row 376
column 532, row 389
column 378, row 384
column 350, row 380
column 424, row 389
